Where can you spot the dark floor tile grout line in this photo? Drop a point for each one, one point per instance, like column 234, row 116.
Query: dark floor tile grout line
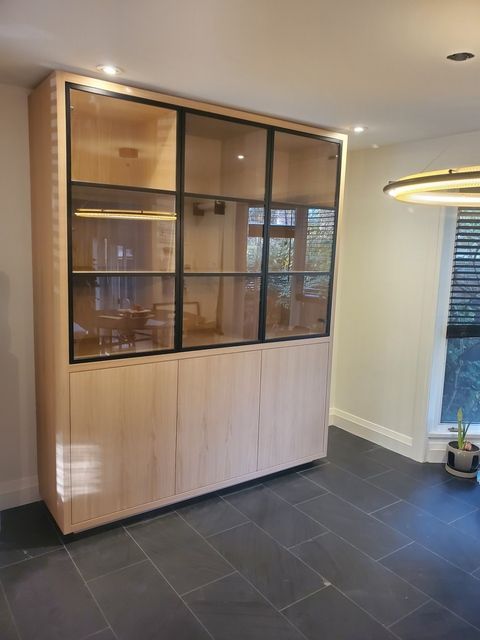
column 107, row 622
column 109, row 573
column 91, row 636
column 392, row 552
column 171, row 586
column 27, row 559
column 377, row 475
column 299, row 544
column 389, row 626
column 452, row 522
column 243, row 576
column 10, row 611
column 216, row 533
column 292, row 604
column 207, row 584
column 371, row 513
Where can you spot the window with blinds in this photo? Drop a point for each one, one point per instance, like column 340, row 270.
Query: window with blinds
column 462, row 365
column 464, row 310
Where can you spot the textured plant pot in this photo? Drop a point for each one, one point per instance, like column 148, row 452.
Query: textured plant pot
column 462, row 463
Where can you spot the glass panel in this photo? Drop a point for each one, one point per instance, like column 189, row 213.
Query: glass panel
column 121, row 230
column 301, row 239
column 122, row 314
column 220, row 309
column 304, row 170
column 296, row 305
column 118, row 141
column 222, row 236
column 224, row 158
column 462, row 380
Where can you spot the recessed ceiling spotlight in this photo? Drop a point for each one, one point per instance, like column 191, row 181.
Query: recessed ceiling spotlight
column 241, row 157
column 375, row 146
column 461, row 56
column 109, row 69
column 359, row 128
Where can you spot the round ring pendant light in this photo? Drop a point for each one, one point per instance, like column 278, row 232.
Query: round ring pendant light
column 448, row 187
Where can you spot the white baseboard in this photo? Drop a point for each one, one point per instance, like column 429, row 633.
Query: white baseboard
column 388, row 438
column 17, row 492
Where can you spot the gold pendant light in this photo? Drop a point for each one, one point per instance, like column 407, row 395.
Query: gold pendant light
column 448, row 187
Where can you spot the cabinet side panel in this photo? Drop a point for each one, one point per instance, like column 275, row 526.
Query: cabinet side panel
column 123, row 438
column 47, row 165
column 292, row 405
column 218, row 401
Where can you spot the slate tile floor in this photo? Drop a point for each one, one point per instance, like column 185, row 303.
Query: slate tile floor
column 366, row 545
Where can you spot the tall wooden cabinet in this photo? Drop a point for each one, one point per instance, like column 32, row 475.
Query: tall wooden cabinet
column 184, row 269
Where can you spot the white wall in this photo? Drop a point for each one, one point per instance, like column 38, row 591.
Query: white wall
column 18, row 475
column 390, row 321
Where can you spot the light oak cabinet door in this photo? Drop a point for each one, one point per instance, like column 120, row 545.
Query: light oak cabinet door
column 292, row 406
column 122, row 437
column 218, row 402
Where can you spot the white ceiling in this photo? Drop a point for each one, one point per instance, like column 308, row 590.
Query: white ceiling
column 376, row 62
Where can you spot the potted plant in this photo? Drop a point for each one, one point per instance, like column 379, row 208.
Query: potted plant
column 462, row 455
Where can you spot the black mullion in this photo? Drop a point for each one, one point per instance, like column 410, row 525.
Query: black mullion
column 266, row 235
column 122, row 187
column 205, row 196
column 179, row 231
column 71, row 354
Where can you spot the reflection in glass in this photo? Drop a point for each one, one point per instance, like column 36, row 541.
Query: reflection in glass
column 301, row 239
column 304, row 170
column 296, row 305
column 222, row 236
column 224, row 158
column 101, row 241
column 220, row 309
column 122, row 314
column 462, row 378
column 118, row 141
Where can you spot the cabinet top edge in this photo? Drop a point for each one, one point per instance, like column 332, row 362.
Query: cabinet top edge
column 187, row 355
column 63, row 77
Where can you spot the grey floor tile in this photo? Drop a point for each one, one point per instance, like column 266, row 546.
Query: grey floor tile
column 329, row 615
column 138, row 603
column 363, row 531
column 99, row 552
column 349, row 487
column 352, row 461
column 294, row 488
column 465, row 490
column 106, row 634
column 181, row 554
column 462, row 550
column 51, row 590
column 211, row 515
column 231, row 609
column 281, row 520
column 442, row 581
column 369, row 584
column 339, row 437
column 476, row 574
column 469, row 524
column 433, row 499
column 433, row 622
column 425, row 472
column 26, row 532
column 8, row 630
column 274, row 571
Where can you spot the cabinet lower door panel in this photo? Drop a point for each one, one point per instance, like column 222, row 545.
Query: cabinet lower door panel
column 217, row 418
column 122, row 437
column 292, row 408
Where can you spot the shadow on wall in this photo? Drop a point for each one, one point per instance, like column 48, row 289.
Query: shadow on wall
column 10, row 453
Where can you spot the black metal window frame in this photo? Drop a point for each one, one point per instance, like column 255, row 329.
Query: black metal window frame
column 180, row 195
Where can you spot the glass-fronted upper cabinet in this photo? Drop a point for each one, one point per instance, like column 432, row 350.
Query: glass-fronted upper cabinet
column 225, row 169
column 301, row 235
column 123, row 215
column 190, row 230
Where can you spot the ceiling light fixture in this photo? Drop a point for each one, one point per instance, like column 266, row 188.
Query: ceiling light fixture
column 359, row 128
column 240, row 157
column 125, row 214
column 449, row 187
column 109, row 69
column 461, row 56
